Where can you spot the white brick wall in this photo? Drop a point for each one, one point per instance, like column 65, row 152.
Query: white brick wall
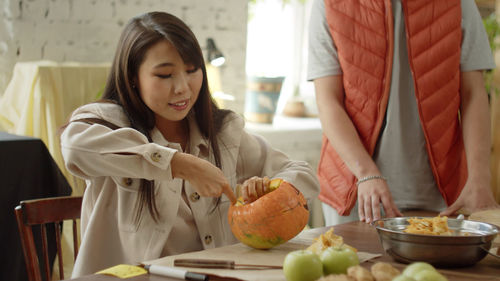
column 88, row 30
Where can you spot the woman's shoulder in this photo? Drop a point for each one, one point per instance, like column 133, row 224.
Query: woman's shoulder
column 108, row 111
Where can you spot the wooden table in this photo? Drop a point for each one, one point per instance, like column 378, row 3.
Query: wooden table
column 365, row 238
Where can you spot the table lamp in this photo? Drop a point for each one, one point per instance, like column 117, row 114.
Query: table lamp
column 214, row 55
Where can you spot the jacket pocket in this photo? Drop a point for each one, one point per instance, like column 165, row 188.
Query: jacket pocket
column 127, row 193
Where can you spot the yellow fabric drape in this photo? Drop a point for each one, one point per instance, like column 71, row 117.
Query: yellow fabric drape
column 39, row 100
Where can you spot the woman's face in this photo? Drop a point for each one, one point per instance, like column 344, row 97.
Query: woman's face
column 167, row 85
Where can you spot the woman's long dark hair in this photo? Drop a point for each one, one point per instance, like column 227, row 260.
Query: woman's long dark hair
column 141, row 33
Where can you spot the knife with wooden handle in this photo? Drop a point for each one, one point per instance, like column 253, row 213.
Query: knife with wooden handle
column 223, row 264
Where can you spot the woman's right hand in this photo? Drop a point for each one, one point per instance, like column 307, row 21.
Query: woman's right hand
column 370, row 194
column 207, row 179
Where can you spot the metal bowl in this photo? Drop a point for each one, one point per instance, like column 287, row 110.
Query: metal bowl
column 469, row 243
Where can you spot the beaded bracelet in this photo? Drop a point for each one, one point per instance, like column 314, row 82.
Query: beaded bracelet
column 363, row 179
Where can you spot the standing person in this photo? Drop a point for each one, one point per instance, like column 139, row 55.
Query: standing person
column 157, row 153
column 404, row 112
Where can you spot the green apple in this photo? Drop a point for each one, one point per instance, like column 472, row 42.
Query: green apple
column 412, row 269
column 403, row 278
column 336, row 260
column 429, row 275
column 302, row 265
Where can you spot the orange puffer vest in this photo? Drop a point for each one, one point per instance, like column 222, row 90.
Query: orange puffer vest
column 363, row 35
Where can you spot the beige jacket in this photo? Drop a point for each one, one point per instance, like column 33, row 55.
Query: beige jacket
column 113, row 161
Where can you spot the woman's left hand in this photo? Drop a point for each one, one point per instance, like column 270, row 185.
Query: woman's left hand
column 253, row 188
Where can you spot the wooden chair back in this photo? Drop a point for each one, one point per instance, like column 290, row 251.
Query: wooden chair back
column 43, row 213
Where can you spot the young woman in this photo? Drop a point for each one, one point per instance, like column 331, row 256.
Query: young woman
column 157, row 153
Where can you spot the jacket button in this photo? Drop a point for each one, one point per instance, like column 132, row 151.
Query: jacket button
column 127, row 181
column 208, row 239
column 194, row 196
column 156, row 157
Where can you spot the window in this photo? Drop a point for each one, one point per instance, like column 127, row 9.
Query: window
column 277, row 44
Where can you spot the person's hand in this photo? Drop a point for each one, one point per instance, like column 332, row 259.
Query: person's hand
column 209, row 181
column 253, row 188
column 474, row 197
column 370, row 194
column 206, row 178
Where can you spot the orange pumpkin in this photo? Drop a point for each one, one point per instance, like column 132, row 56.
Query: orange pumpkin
column 271, row 220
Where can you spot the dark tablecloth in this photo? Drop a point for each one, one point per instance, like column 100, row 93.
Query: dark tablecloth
column 27, row 171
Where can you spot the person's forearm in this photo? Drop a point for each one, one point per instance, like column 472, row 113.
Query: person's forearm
column 476, row 125
column 476, row 194
column 339, row 129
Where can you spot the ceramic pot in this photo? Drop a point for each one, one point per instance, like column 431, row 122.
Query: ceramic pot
column 261, row 98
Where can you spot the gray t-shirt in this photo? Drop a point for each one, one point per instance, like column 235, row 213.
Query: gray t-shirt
column 401, row 153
